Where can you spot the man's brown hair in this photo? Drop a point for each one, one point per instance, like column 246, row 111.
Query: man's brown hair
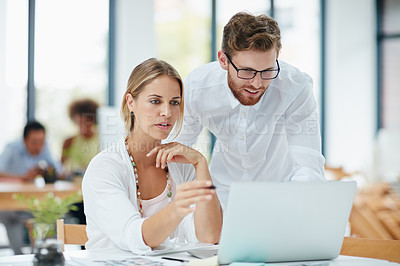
column 245, row 31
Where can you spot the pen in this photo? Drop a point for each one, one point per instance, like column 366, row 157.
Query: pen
column 212, row 187
column 168, row 258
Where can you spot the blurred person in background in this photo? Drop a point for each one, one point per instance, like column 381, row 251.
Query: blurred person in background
column 23, row 160
column 28, row 157
column 79, row 149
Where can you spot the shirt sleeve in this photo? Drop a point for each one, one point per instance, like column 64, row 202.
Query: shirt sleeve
column 49, row 159
column 304, row 137
column 191, row 126
column 186, row 230
column 5, row 157
column 106, row 197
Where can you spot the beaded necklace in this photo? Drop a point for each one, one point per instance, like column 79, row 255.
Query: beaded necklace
column 135, row 171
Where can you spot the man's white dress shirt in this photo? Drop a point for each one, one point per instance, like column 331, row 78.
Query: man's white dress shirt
column 110, row 203
column 277, row 139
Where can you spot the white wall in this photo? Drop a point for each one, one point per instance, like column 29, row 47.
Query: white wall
column 135, row 42
column 351, row 83
column 135, row 39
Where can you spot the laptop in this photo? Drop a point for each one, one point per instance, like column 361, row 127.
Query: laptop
column 282, row 222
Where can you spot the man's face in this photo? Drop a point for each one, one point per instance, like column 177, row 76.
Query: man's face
column 248, row 91
column 34, row 141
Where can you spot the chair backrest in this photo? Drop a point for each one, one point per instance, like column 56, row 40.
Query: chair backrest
column 74, row 234
column 371, row 248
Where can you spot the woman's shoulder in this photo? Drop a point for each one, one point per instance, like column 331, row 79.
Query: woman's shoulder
column 111, row 158
column 68, row 142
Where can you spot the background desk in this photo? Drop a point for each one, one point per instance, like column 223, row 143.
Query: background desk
column 61, row 189
column 86, row 257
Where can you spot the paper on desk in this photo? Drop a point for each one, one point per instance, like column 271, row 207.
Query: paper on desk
column 176, row 248
column 120, row 262
column 213, row 261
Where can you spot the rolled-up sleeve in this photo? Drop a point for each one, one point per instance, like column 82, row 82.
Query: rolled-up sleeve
column 304, row 138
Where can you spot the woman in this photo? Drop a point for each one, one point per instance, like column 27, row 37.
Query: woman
column 141, row 193
column 80, row 149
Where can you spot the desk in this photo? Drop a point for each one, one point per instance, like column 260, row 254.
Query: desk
column 87, row 257
column 60, row 188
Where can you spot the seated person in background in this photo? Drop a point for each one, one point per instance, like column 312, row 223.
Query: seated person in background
column 28, row 157
column 24, row 159
column 78, row 150
column 133, row 199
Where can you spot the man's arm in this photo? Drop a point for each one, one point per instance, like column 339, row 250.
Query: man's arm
column 304, row 137
column 5, row 159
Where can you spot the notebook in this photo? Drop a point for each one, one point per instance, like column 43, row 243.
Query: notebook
column 293, row 221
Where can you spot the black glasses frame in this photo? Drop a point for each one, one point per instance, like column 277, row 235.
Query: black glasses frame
column 254, row 71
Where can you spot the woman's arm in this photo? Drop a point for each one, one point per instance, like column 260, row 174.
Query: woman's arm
column 208, row 213
column 158, row 227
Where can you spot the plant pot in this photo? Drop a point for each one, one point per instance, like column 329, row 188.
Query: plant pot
column 48, row 253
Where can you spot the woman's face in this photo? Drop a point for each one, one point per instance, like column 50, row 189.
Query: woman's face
column 85, row 123
column 156, row 108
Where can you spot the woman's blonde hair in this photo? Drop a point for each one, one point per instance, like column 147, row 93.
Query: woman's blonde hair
column 143, row 74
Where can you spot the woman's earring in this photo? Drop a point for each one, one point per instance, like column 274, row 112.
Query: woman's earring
column 132, row 119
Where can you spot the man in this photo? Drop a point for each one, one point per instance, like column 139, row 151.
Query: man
column 21, row 160
column 261, row 110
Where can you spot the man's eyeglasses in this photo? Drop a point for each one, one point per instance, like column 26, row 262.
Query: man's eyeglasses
column 250, row 73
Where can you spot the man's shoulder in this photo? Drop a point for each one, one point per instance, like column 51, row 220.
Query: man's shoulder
column 15, row 146
column 291, row 80
column 292, row 72
column 205, row 76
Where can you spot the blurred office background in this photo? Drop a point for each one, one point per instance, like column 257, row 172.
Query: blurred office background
column 55, row 51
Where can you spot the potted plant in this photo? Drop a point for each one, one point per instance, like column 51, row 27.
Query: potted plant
column 47, row 211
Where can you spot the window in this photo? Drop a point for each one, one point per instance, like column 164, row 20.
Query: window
column 13, row 68
column 70, row 61
column 390, row 64
column 299, row 22
column 183, row 33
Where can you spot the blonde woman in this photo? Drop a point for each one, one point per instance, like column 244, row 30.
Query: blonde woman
column 140, row 193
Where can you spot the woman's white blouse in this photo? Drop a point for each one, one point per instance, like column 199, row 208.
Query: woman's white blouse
column 110, row 204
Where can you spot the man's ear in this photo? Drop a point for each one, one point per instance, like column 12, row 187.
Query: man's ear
column 223, row 60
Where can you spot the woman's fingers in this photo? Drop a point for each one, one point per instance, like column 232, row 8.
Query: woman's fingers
column 174, row 152
column 190, row 193
column 195, row 185
column 153, row 151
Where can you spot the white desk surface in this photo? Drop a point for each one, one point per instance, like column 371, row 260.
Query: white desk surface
column 88, row 257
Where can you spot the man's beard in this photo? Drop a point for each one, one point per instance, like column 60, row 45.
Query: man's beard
column 240, row 94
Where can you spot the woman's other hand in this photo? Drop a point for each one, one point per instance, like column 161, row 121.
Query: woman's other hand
column 176, row 152
column 190, row 193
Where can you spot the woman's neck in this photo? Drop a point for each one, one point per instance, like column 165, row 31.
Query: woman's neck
column 139, row 146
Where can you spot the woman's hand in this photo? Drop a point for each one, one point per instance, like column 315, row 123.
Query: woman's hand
column 191, row 193
column 176, row 152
